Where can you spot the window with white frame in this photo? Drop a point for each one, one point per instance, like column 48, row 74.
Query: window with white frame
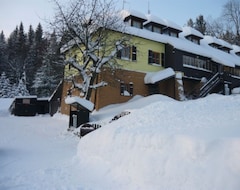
column 128, row 53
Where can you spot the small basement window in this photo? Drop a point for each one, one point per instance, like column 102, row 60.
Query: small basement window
column 26, row 101
column 126, row 89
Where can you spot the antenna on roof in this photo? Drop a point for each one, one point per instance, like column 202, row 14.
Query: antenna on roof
column 149, row 12
column 124, row 1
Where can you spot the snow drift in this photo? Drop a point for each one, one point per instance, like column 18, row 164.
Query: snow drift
column 167, row 145
column 162, row 144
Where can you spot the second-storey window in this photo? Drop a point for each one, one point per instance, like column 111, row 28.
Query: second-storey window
column 128, row 53
column 154, row 57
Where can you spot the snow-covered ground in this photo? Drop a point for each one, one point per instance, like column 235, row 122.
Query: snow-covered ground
column 162, row 144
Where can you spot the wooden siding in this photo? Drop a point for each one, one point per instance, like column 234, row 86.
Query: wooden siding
column 110, row 94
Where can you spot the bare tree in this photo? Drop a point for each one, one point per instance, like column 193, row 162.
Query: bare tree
column 88, row 25
column 231, row 13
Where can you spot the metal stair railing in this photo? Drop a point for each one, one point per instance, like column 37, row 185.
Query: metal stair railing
column 210, row 84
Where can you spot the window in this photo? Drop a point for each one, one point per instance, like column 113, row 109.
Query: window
column 195, row 41
column 136, row 24
column 134, row 53
column 126, row 89
column 26, row 101
column 174, row 34
column 235, row 71
column 156, row 29
column 125, row 52
column 196, row 62
column 128, row 53
column 153, row 57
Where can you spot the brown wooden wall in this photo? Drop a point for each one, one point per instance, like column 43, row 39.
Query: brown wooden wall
column 110, row 94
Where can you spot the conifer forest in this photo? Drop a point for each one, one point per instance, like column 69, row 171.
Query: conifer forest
column 30, row 62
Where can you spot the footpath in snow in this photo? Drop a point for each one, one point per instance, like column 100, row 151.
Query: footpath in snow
column 162, row 144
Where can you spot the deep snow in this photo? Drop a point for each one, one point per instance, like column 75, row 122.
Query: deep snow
column 162, row 144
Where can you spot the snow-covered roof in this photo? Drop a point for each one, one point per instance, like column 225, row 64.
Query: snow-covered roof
column 187, row 31
column 25, row 97
column 203, row 49
column 143, row 33
column 154, row 19
column 126, row 13
column 211, row 40
column 219, row 42
column 80, row 101
column 153, row 77
column 172, row 24
column 236, row 48
column 225, row 44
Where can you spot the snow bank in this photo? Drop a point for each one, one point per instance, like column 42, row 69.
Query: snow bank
column 167, row 145
column 5, row 103
column 161, row 144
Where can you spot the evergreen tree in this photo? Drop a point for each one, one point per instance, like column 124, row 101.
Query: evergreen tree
column 12, row 56
column 5, row 86
column 200, row 24
column 55, row 58
column 190, row 23
column 39, row 45
column 21, row 89
column 21, row 44
column 30, row 59
column 23, row 55
column 17, row 53
column 31, row 36
column 51, row 72
column 3, row 52
column 43, row 82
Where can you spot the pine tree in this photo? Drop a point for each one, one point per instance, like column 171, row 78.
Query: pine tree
column 51, row 72
column 200, row 24
column 3, row 52
column 30, row 62
column 43, row 81
column 5, row 86
column 17, row 53
column 21, row 89
column 39, row 45
column 190, row 23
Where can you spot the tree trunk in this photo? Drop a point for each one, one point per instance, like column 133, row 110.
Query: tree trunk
column 90, row 89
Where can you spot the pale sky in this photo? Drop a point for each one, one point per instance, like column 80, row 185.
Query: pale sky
column 12, row 12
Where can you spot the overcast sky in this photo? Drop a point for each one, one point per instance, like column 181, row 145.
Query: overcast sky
column 12, row 12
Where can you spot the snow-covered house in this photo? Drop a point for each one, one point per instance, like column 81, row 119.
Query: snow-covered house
column 158, row 52
column 145, row 53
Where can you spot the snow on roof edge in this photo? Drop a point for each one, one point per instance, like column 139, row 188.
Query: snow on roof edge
column 82, row 102
column 153, row 77
column 187, row 30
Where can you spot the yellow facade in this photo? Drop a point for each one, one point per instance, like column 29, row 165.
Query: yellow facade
column 141, row 64
column 143, row 46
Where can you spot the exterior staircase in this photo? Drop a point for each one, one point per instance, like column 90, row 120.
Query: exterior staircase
column 210, row 85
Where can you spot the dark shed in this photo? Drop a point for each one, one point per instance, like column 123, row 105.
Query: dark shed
column 25, row 106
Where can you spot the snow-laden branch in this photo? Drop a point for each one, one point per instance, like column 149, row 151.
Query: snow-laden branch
column 100, row 84
column 105, row 60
